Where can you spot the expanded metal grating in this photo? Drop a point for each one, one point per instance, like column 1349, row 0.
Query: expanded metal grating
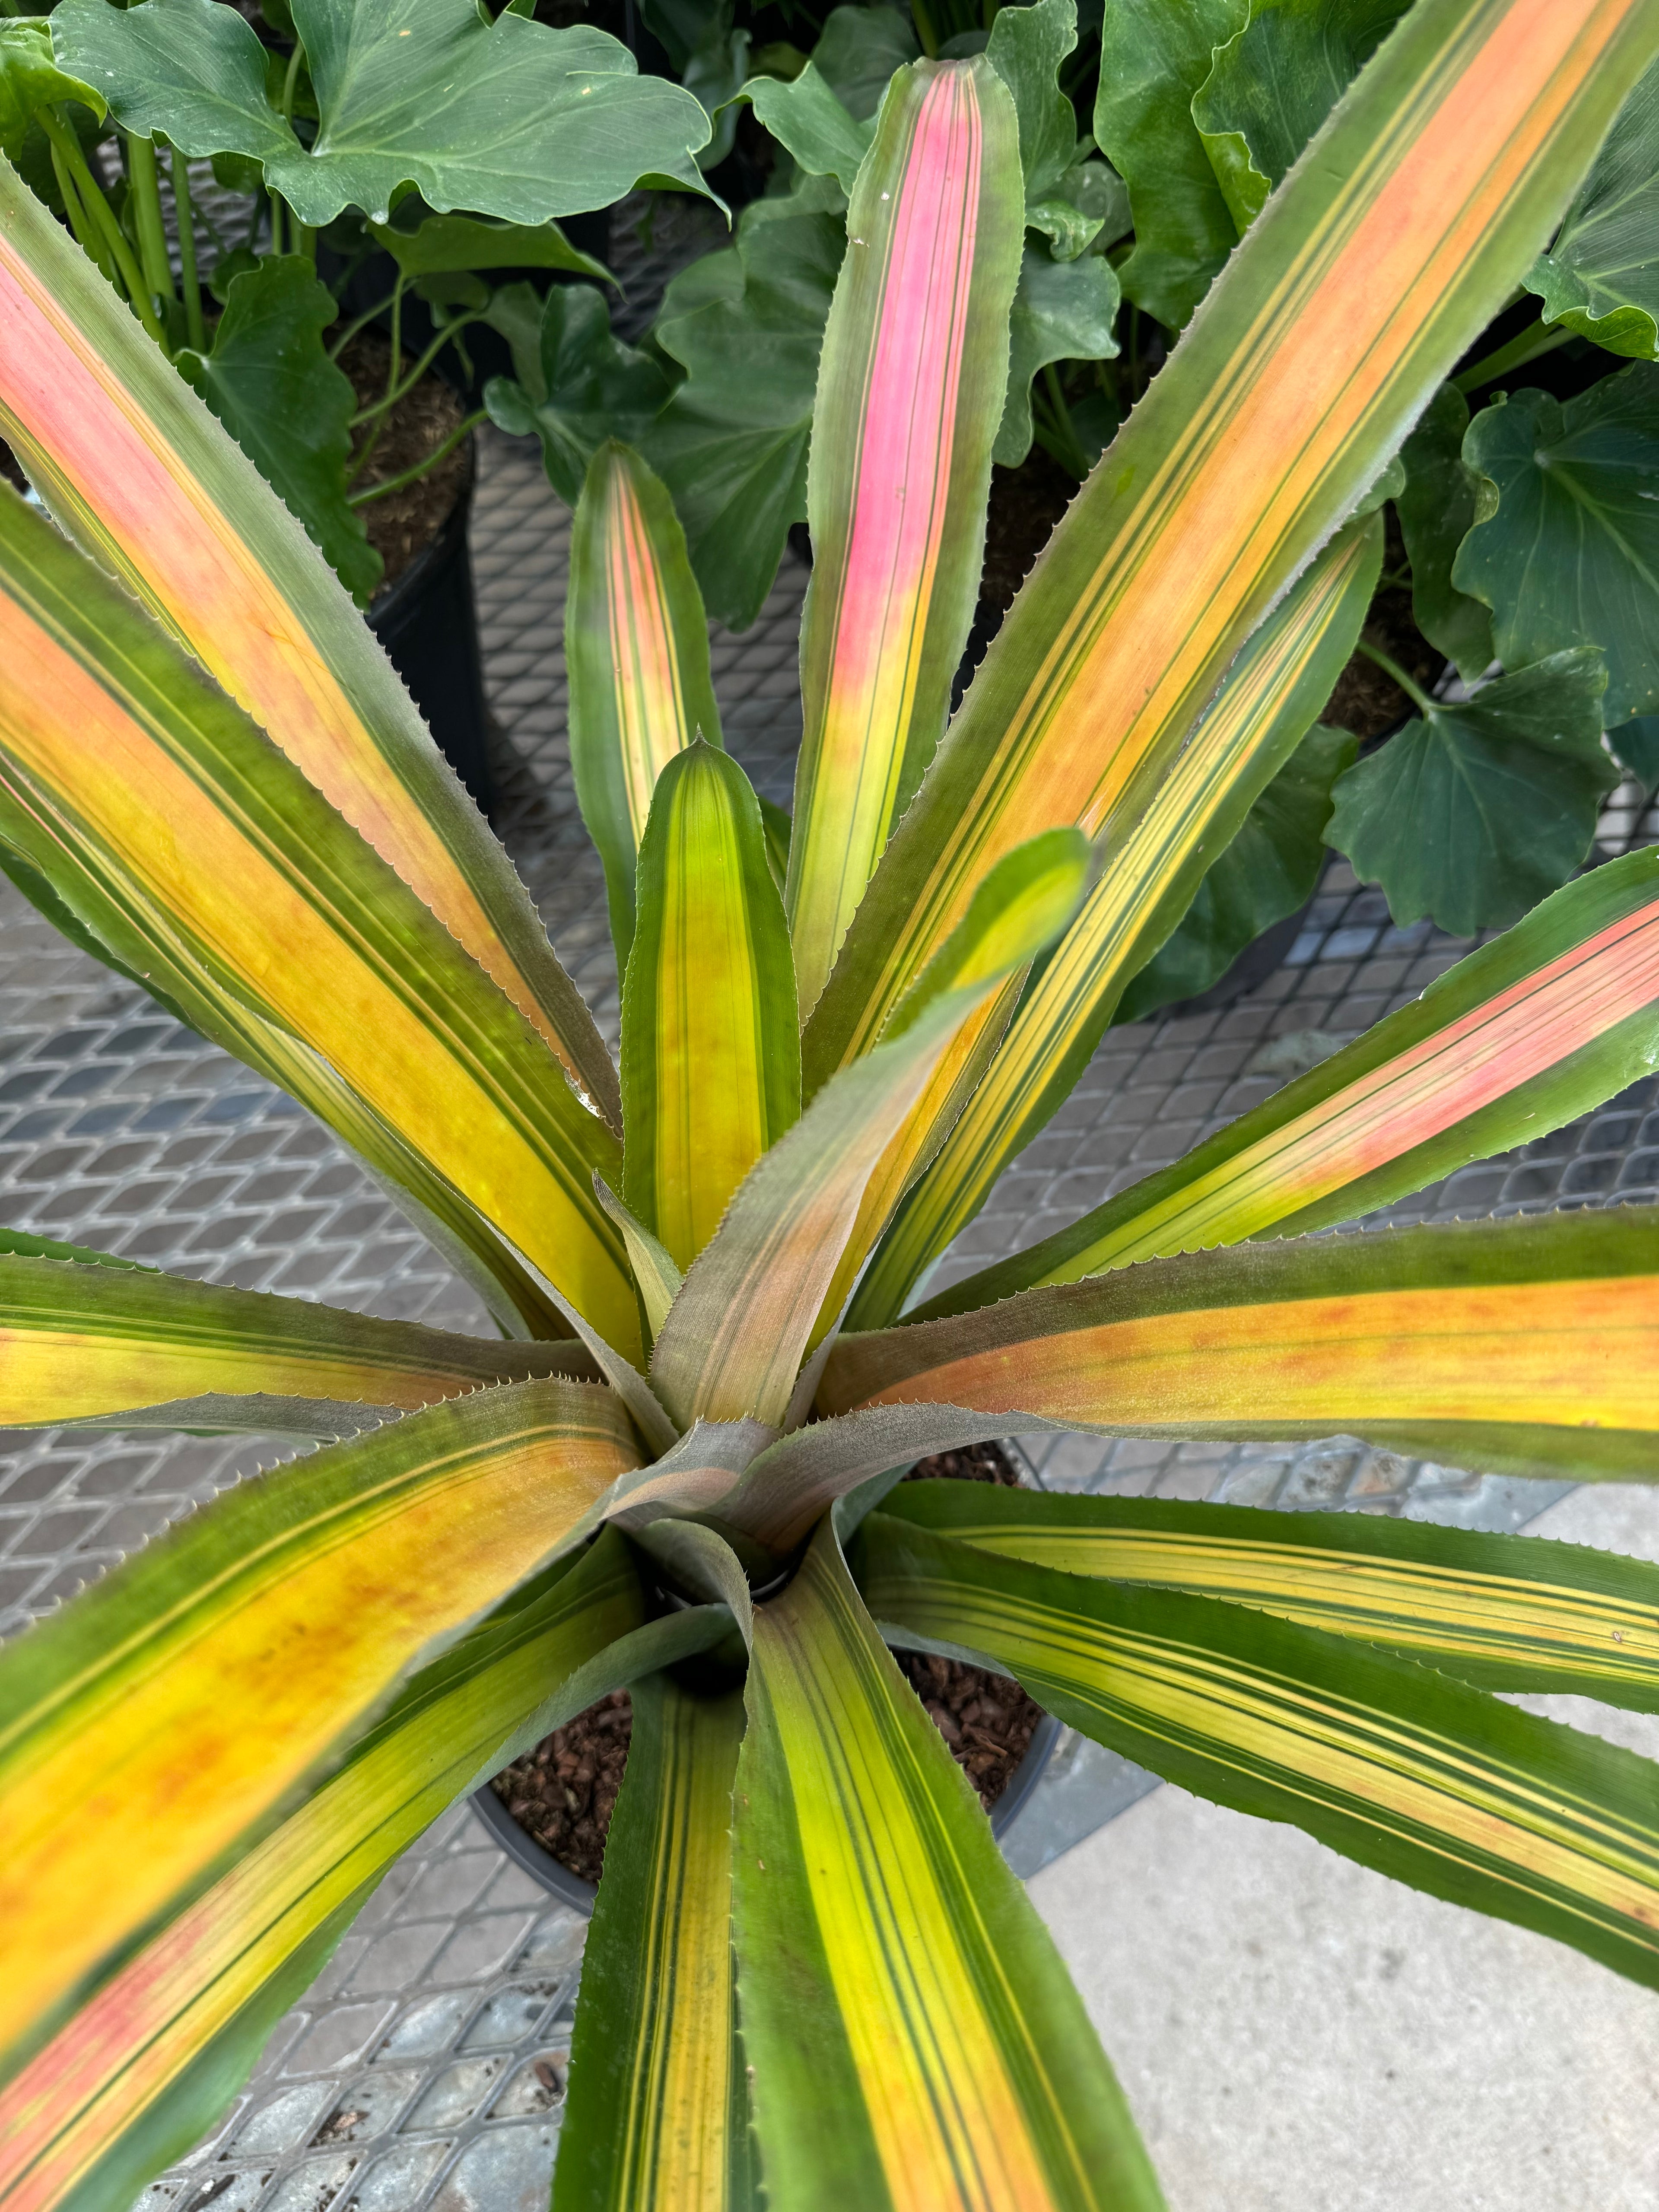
column 426, row 2067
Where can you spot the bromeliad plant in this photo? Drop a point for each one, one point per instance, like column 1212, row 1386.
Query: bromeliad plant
column 810, row 1973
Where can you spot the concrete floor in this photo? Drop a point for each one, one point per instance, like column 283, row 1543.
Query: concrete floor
column 1296, row 2033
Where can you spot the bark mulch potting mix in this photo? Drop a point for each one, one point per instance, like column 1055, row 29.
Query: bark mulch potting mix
column 561, row 1793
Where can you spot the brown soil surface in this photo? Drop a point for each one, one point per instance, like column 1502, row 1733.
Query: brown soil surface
column 562, row 1792
column 404, row 523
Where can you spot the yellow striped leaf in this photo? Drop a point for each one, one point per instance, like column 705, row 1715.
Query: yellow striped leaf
column 1506, row 1613
column 1388, row 1762
column 756, row 1297
column 1435, row 182
column 149, row 2065
column 710, row 1044
column 910, row 390
column 657, row 2117
column 636, row 649
column 914, row 2041
column 133, row 464
column 1271, row 694
column 1534, row 1029
column 127, row 780
column 185, row 1698
column 1523, row 1347
column 122, row 1347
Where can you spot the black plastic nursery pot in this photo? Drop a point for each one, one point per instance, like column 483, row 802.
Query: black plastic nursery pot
column 428, row 621
column 570, row 1889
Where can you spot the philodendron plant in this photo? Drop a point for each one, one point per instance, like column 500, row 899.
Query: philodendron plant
column 1527, row 538
column 451, row 142
column 810, row 1978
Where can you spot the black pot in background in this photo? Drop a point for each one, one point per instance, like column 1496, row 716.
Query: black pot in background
column 428, row 621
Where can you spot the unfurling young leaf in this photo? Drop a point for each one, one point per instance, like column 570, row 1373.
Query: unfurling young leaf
column 1571, row 555
column 1476, row 810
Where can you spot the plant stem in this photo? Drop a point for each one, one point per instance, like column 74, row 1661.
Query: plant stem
column 418, row 469
column 305, row 238
column 276, row 223
column 1398, row 579
column 1413, row 691
column 361, row 323
column 1074, row 458
column 448, row 331
column 81, row 222
column 196, row 327
column 143, row 182
column 393, row 365
column 103, row 214
column 1533, row 342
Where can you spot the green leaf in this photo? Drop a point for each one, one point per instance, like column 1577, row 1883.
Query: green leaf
column 1636, row 743
column 716, row 75
column 1274, row 83
column 269, row 379
column 1385, row 1760
column 1062, row 311
column 1026, row 48
column 1506, row 1612
column 658, row 2109
column 444, row 242
column 1437, row 506
column 1153, row 58
column 507, row 118
column 30, row 79
column 1600, row 277
column 906, row 2019
column 857, row 52
column 710, row 1040
column 1570, row 556
column 682, row 26
column 747, row 326
column 580, row 387
column 1476, row 811
column 809, row 121
column 1271, row 867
